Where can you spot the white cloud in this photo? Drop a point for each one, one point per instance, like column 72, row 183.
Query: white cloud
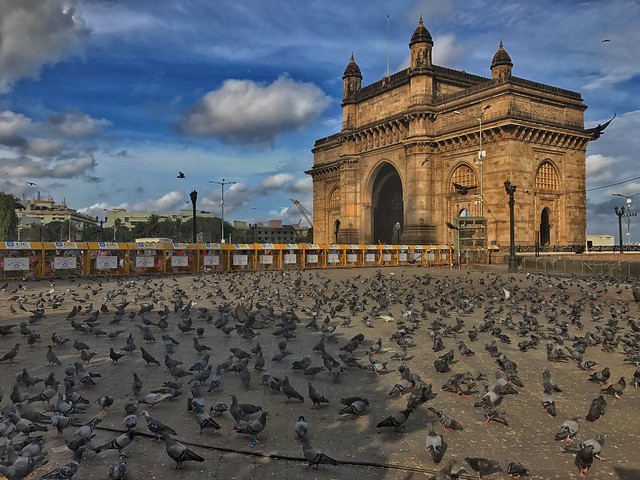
column 600, row 167
column 275, row 182
column 243, row 111
column 75, row 124
column 446, row 51
column 26, row 167
column 34, row 33
column 166, row 203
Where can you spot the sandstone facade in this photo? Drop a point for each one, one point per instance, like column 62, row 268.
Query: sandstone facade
column 406, row 140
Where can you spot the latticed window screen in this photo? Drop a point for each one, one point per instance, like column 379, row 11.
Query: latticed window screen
column 463, row 175
column 334, row 200
column 547, row 177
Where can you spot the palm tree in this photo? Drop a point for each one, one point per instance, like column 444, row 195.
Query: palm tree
column 152, row 226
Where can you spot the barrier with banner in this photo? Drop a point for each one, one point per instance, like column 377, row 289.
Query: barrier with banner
column 72, row 259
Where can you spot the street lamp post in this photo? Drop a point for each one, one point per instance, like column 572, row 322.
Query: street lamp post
column 628, row 215
column 511, row 190
column 480, row 157
column 620, row 214
column 397, row 227
column 194, row 200
column 222, row 184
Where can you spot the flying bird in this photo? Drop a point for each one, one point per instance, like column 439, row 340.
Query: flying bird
column 32, row 184
column 181, row 175
column 463, row 189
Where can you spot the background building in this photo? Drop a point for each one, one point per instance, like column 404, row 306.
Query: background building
column 429, row 145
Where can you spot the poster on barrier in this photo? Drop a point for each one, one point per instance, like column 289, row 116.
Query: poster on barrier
column 106, row 262
column 289, row 258
column 145, row 261
column 212, row 260
column 431, row 257
column 370, row 257
column 352, row 257
column 333, row 258
column 179, row 261
column 266, row 259
column 64, row 263
column 443, row 256
column 312, row 258
column 402, row 257
column 240, row 260
column 16, row 264
column 386, row 257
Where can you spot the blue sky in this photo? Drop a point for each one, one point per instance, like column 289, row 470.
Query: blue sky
column 102, row 102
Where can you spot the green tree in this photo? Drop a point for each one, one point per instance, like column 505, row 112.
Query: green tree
column 152, row 227
column 8, row 218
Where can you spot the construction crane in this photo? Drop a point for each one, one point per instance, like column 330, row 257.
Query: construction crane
column 303, row 211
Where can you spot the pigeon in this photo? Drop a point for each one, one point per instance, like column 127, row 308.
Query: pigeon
column 548, row 403
column 119, row 443
column 157, row 427
column 516, row 469
column 52, row 358
column 316, row 398
column 66, row 471
column 179, row 452
column 448, row 422
column 483, row 466
column 147, row 357
column 615, row 389
column 115, row 356
column 289, row 391
column 255, row 427
column 204, row 420
column 105, row 402
column 11, row 354
column 118, row 470
column 154, row 398
column 314, row 456
column 434, row 444
column 568, row 430
column 60, row 423
column 301, row 427
column 353, row 406
column 493, row 415
column 597, row 409
column 584, row 459
column 136, row 386
column 396, row 420
column 601, row 377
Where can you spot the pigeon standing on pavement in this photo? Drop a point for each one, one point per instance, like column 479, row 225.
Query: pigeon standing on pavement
column 597, row 409
column 314, row 456
column 434, row 444
column 254, row 428
column 395, row 420
column 483, row 466
column 179, row 452
column 568, row 430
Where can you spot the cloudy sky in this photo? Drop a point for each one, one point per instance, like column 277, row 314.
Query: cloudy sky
column 102, row 102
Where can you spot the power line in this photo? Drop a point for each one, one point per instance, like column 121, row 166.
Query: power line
column 611, row 185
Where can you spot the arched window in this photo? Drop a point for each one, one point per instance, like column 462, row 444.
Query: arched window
column 463, row 175
column 464, row 213
column 334, row 199
column 547, row 177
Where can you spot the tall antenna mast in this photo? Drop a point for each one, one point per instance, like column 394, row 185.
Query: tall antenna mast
column 387, row 45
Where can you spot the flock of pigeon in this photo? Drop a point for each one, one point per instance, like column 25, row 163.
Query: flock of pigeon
column 319, row 351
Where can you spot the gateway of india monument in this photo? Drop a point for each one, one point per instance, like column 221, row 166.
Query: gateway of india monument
column 423, row 156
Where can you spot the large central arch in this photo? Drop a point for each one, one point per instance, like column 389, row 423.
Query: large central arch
column 388, row 207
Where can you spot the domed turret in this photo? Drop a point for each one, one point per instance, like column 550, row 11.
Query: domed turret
column 501, row 64
column 421, row 45
column 352, row 78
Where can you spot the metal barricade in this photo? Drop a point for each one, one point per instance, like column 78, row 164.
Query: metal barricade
column 267, row 257
column 146, row 258
column 354, row 256
column 372, row 255
column 314, row 256
column 241, row 257
column 417, row 255
column 389, row 256
column 20, row 260
column 335, row 255
column 107, row 258
column 210, row 258
column 292, row 257
column 403, row 255
column 63, row 259
column 181, row 258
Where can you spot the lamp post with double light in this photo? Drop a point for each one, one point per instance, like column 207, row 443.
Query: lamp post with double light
column 511, row 190
column 628, row 215
column 222, row 184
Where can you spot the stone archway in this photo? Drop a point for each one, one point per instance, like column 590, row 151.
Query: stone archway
column 545, row 228
column 387, row 202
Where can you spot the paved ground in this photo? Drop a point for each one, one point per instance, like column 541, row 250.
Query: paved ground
column 364, row 450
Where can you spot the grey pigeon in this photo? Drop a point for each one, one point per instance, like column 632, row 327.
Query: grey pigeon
column 204, row 420
column 179, row 452
column 118, row 470
column 353, row 406
column 301, row 427
column 314, row 456
column 316, row 398
column 255, row 427
column 568, row 430
column 434, row 444
column 157, row 427
column 483, row 466
column 448, row 422
column 289, row 391
column 66, row 471
column 548, row 402
column 396, row 420
column 119, row 443
column 444, row 473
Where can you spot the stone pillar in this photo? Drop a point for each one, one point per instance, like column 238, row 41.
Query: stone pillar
column 418, row 227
